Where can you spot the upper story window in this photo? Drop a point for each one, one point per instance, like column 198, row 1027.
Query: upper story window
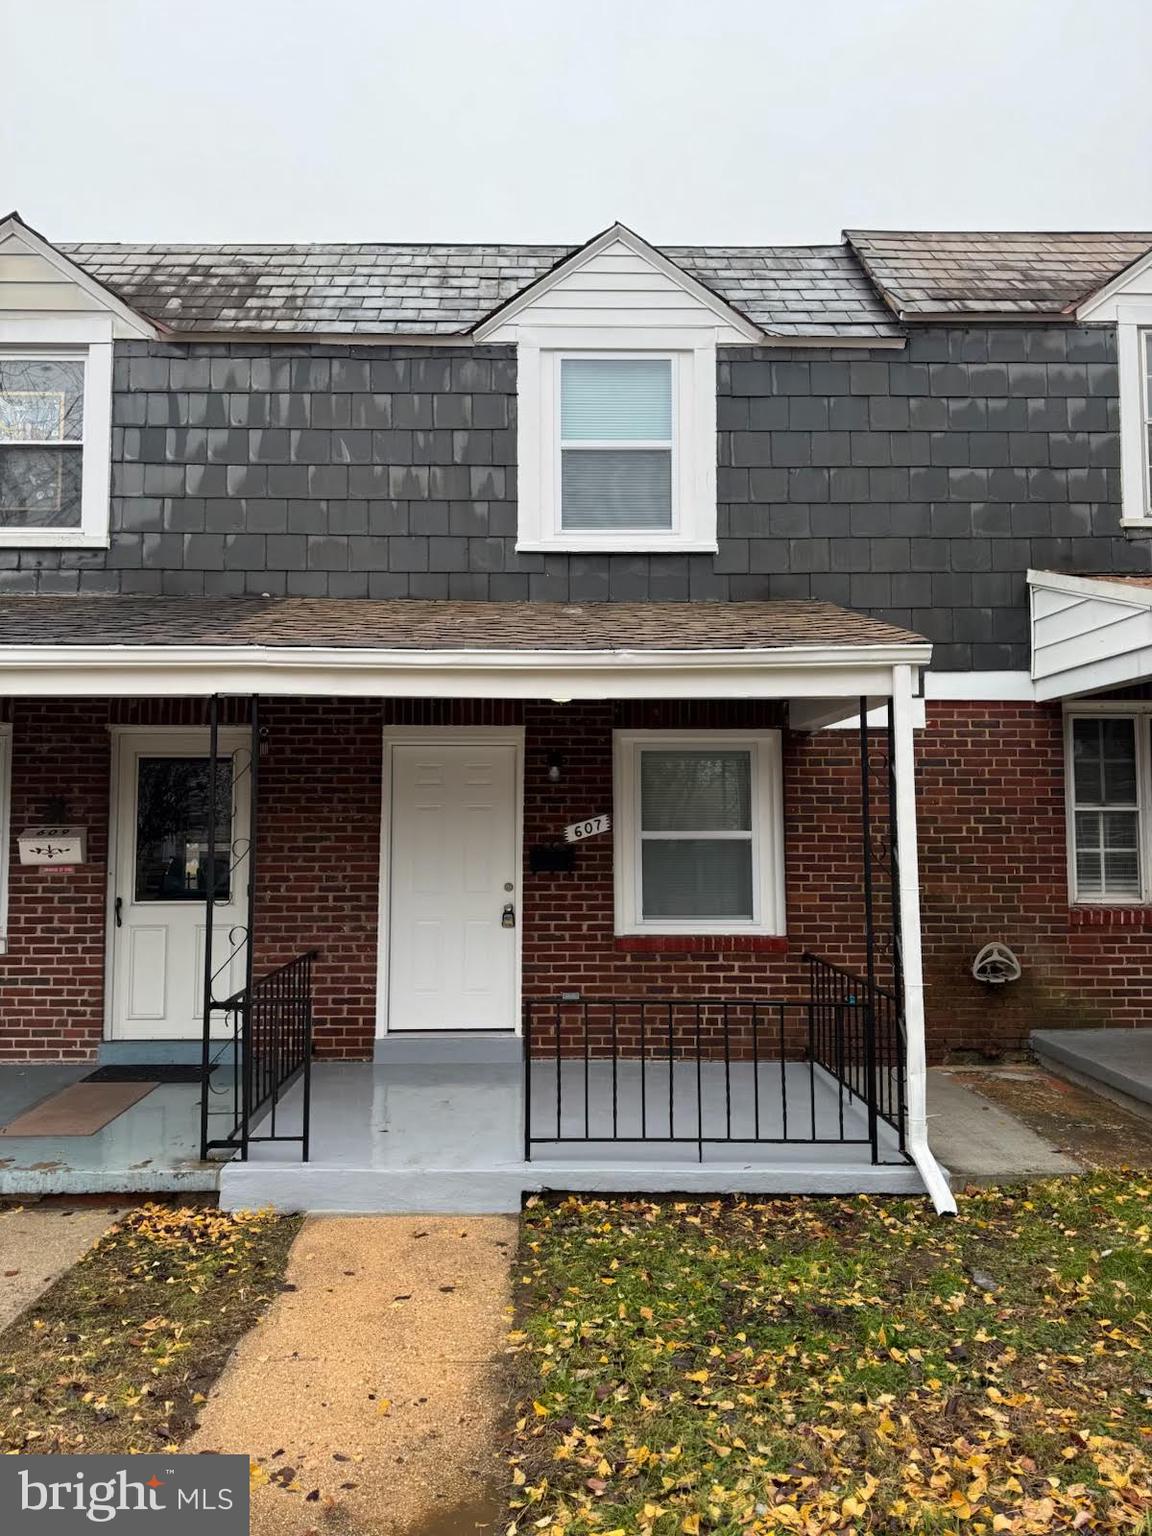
column 55, row 408
column 617, row 449
column 616, row 444
column 41, row 441
column 1146, row 418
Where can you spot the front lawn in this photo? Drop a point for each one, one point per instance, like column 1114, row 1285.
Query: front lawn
column 846, row 1365
column 118, row 1355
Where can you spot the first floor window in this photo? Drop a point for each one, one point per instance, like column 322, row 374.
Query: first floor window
column 698, row 835
column 1108, row 757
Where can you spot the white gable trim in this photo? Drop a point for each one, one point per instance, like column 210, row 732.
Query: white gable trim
column 725, row 315
column 14, row 228
column 1101, row 304
column 1088, row 635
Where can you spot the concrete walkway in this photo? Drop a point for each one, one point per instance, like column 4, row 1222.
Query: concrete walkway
column 1117, row 1059
column 978, row 1142
column 370, row 1392
column 38, row 1243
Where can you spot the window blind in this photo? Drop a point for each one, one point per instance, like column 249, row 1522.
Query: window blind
column 616, row 444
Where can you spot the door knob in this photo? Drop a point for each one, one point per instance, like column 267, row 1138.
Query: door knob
column 508, row 917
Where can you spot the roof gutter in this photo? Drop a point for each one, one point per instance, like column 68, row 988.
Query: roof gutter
column 333, row 671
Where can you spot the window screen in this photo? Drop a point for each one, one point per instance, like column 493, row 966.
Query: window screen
column 696, row 835
column 615, row 444
column 1106, row 808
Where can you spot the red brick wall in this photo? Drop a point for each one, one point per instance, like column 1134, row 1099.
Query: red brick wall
column 51, row 979
column 993, row 866
column 992, row 838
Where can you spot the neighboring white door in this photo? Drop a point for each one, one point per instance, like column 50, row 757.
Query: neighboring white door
column 159, row 880
column 452, row 951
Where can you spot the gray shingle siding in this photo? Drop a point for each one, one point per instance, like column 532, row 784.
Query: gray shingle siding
column 918, row 485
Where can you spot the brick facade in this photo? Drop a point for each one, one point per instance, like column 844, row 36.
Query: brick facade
column 990, row 783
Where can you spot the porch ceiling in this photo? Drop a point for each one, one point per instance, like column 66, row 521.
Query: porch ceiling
column 152, row 645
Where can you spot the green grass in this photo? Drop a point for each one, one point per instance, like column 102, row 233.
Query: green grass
column 838, row 1365
column 120, row 1352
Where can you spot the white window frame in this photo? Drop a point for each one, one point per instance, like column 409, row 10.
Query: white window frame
column 89, row 342
column 5, row 828
column 693, row 442
column 1133, row 341
column 768, row 915
column 1141, row 713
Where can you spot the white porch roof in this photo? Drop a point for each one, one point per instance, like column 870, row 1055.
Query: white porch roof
column 1089, row 633
column 362, row 648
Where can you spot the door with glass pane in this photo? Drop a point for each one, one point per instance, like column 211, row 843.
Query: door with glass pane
column 159, row 880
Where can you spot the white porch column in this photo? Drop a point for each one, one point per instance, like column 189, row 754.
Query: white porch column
column 904, row 768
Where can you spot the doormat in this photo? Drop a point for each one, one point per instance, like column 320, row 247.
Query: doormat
column 163, row 1072
column 79, row 1110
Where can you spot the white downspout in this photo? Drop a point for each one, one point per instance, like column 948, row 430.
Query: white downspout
column 916, row 1099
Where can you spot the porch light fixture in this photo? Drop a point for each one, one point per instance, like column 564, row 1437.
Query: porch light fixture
column 555, row 767
column 557, row 700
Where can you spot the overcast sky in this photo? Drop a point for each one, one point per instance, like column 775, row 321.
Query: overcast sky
column 709, row 121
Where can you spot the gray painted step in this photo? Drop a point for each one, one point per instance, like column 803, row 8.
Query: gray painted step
column 451, row 1048
column 133, row 1053
column 1117, row 1059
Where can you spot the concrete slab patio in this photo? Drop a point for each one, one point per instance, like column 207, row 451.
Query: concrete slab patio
column 978, row 1142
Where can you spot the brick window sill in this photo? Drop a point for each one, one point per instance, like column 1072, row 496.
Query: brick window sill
column 1110, row 917
column 700, row 943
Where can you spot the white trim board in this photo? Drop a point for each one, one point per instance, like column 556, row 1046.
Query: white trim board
column 416, row 735
column 1088, row 635
column 346, row 672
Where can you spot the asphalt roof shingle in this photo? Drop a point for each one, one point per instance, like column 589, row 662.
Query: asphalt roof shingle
column 444, row 290
column 418, row 625
column 921, row 273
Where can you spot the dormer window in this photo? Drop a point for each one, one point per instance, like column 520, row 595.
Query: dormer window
column 616, row 444
column 55, row 404
column 617, row 448
column 41, row 440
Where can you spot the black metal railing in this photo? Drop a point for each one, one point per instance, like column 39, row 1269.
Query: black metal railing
column 857, row 1037
column 269, row 1042
column 827, row 1069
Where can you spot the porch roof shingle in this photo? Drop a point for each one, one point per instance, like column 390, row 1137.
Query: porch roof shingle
column 415, row 625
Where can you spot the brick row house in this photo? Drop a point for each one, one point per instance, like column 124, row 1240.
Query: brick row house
column 603, row 717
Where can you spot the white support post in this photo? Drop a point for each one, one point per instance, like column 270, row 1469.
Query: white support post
column 904, row 768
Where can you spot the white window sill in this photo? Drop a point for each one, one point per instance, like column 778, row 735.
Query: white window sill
column 700, row 930
column 623, row 545
column 51, row 538
column 1135, row 522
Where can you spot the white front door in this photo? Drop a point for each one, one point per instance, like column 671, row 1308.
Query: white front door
column 454, row 886
column 159, row 879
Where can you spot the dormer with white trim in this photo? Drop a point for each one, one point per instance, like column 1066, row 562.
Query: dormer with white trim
column 616, row 398
column 1126, row 301
column 57, row 327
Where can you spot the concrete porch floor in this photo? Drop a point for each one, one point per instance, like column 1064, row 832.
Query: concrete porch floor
column 422, row 1136
column 152, row 1148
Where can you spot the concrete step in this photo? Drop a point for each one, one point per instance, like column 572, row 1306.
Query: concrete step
column 500, row 1189
column 1114, row 1062
column 448, row 1048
